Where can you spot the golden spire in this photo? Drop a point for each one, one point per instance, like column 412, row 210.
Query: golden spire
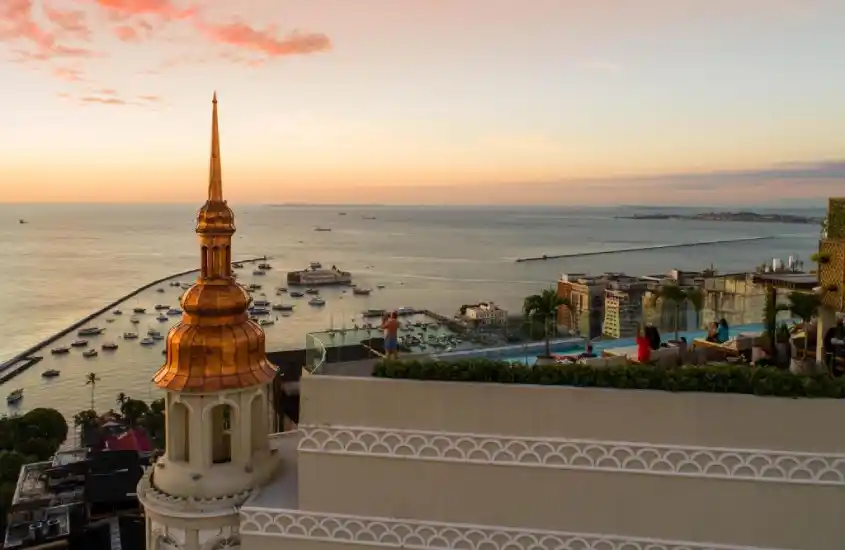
column 216, row 346
column 215, row 173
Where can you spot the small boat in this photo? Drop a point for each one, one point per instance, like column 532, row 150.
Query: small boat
column 321, row 229
column 139, row 310
column 79, row 343
column 253, row 286
column 157, row 336
column 175, row 283
column 90, row 331
column 90, row 353
column 369, row 217
column 22, row 221
column 174, row 311
column 109, row 320
column 109, row 346
column 238, row 266
column 282, row 289
column 117, row 312
column 379, row 286
column 259, row 311
column 266, row 322
column 60, row 350
column 282, row 307
column 258, row 273
column 160, row 290
column 296, row 294
column 14, row 397
column 341, row 213
column 361, row 291
column 50, row 373
column 147, row 342
column 315, row 265
column 406, row 310
column 130, row 335
column 134, row 321
column 316, row 301
column 265, row 266
column 261, row 303
column 314, row 291
column 162, row 318
column 160, row 307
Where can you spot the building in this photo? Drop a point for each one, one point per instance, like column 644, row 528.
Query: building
column 735, row 297
column 666, row 315
column 217, row 383
column 623, row 306
column 484, row 314
column 585, row 293
column 381, row 463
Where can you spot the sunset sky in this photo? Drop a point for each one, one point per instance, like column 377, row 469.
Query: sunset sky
column 424, row 101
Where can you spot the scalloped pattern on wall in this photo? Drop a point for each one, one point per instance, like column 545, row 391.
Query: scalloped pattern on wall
column 408, row 534
column 574, row 454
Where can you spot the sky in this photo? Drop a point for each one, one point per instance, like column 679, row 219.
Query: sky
column 424, row 101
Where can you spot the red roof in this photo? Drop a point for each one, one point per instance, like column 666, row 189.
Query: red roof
column 133, row 439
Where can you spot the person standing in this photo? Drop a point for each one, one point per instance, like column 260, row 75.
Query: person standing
column 390, row 326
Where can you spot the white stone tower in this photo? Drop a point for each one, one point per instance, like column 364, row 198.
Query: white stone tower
column 217, row 383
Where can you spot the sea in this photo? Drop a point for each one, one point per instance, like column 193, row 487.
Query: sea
column 67, row 261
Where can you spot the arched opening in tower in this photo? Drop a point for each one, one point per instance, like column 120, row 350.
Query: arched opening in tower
column 222, row 420
column 180, row 422
column 258, row 423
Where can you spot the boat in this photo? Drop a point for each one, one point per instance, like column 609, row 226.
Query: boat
column 315, row 265
column 139, row 310
column 160, row 290
column 341, row 213
column 265, row 266
column 50, row 373
column 258, row 273
column 134, row 321
column 90, row 331
column 259, row 311
column 253, row 286
column 316, row 276
column 374, row 313
column 60, row 350
column 147, row 342
column 361, row 291
column 322, row 229
column 238, row 266
column 90, row 353
column 22, row 221
column 296, row 294
column 282, row 307
column 369, row 217
column 282, row 289
column 379, row 286
column 117, row 312
column 79, row 343
column 316, row 301
column 313, row 291
column 109, row 346
column 406, row 310
column 14, row 397
column 266, row 322
column 130, row 335
column 174, row 311
column 162, row 318
column 157, row 336
column 175, row 283
column 160, row 307
column 261, row 303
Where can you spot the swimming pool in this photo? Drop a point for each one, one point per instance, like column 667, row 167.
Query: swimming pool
column 527, row 354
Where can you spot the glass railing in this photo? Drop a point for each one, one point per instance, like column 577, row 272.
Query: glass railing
column 315, row 353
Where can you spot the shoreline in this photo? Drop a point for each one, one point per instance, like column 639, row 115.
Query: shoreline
column 25, row 355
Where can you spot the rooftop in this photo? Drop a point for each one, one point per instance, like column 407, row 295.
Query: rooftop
column 791, row 281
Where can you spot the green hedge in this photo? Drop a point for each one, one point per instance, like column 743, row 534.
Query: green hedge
column 721, row 378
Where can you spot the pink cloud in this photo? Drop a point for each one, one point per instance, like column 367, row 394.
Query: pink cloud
column 37, row 41
column 265, row 41
column 68, row 74
column 165, row 9
column 70, row 22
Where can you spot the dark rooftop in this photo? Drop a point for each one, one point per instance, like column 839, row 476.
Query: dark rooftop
column 791, row 281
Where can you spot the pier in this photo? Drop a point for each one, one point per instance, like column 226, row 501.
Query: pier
column 641, row 249
column 25, row 359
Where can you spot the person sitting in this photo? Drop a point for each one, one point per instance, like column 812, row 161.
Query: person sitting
column 832, row 344
column 643, row 346
column 723, row 332
column 588, row 353
column 713, row 332
column 653, row 336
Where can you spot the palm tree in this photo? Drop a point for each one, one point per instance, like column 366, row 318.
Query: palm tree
column 677, row 297
column 544, row 307
column 91, row 379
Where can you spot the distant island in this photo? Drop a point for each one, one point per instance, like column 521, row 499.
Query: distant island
column 727, row 217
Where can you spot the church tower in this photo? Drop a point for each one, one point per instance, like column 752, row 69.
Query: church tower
column 217, row 384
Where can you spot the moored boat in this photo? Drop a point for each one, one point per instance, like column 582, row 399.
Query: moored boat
column 317, row 276
column 90, row 331
column 109, row 346
column 14, row 397
column 316, row 301
column 90, row 353
column 60, row 350
column 50, row 373
column 79, row 343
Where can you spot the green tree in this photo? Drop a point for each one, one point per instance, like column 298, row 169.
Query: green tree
column 85, row 419
column 805, row 306
column 543, row 307
column 133, row 410
column 10, row 465
column 91, row 379
column 42, row 423
column 676, row 297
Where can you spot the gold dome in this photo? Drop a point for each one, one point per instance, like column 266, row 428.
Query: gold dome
column 215, row 346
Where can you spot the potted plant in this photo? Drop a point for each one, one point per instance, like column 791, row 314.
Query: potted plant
column 543, row 307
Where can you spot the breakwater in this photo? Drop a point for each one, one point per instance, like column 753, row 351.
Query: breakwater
column 25, row 355
column 453, row 325
column 641, row 249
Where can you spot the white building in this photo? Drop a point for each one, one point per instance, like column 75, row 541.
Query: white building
column 485, row 314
